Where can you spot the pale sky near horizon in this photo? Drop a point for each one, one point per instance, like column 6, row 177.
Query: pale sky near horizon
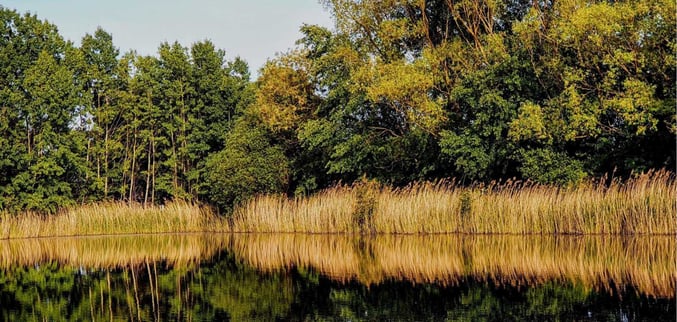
column 255, row 30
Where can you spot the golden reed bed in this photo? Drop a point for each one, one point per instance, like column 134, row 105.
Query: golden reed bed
column 108, row 218
column 597, row 262
column 645, row 204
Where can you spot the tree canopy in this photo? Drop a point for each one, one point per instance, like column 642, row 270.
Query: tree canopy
column 398, row 91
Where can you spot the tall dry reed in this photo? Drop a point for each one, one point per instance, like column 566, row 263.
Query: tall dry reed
column 645, row 204
column 112, row 218
column 328, row 211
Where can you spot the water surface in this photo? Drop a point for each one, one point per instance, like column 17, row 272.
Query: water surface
column 335, row 277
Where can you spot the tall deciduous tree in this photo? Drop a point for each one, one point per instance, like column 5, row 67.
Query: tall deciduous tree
column 105, row 85
column 550, row 91
column 53, row 160
column 608, row 70
column 40, row 96
column 222, row 91
column 248, row 165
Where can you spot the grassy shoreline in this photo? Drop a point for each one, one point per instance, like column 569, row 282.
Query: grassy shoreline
column 113, row 218
column 643, row 205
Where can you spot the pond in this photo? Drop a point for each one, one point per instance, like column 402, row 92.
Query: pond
column 294, row 277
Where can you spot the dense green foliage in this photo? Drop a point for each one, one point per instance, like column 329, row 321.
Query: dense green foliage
column 84, row 124
column 400, row 91
column 248, row 165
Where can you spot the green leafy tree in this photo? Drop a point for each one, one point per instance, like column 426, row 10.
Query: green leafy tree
column 53, row 151
column 609, row 74
column 248, row 165
column 174, row 92
column 364, row 121
column 105, row 85
column 494, row 84
column 222, row 91
column 41, row 154
column 146, row 125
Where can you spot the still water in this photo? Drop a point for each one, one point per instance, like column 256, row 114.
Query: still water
column 267, row 277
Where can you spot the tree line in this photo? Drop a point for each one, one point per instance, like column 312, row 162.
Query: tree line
column 399, row 91
column 86, row 124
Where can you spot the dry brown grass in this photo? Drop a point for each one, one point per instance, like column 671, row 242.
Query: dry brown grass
column 328, row 211
column 645, row 204
column 112, row 218
column 597, row 262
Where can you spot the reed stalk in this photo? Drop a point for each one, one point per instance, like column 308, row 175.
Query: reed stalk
column 112, row 252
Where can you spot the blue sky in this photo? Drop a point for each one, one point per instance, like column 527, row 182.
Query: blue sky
column 252, row 29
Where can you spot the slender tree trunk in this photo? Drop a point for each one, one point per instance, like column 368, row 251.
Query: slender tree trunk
column 89, row 150
column 152, row 187
column 131, row 176
column 105, row 163
column 148, row 170
column 28, row 135
column 175, row 177
column 99, row 119
column 184, row 147
column 98, row 167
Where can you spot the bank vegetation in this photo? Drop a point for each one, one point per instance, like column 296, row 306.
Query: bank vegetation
column 644, row 204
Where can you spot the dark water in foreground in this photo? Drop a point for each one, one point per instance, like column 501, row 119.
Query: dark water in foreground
column 300, row 278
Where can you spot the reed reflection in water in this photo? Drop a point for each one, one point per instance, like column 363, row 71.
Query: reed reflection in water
column 318, row 277
column 100, row 252
column 646, row 263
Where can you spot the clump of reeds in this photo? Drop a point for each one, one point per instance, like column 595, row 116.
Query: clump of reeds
column 112, row 218
column 644, row 204
column 328, row 211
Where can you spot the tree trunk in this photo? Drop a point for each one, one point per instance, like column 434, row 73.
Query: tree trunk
column 148, row 169
column 131, row 176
